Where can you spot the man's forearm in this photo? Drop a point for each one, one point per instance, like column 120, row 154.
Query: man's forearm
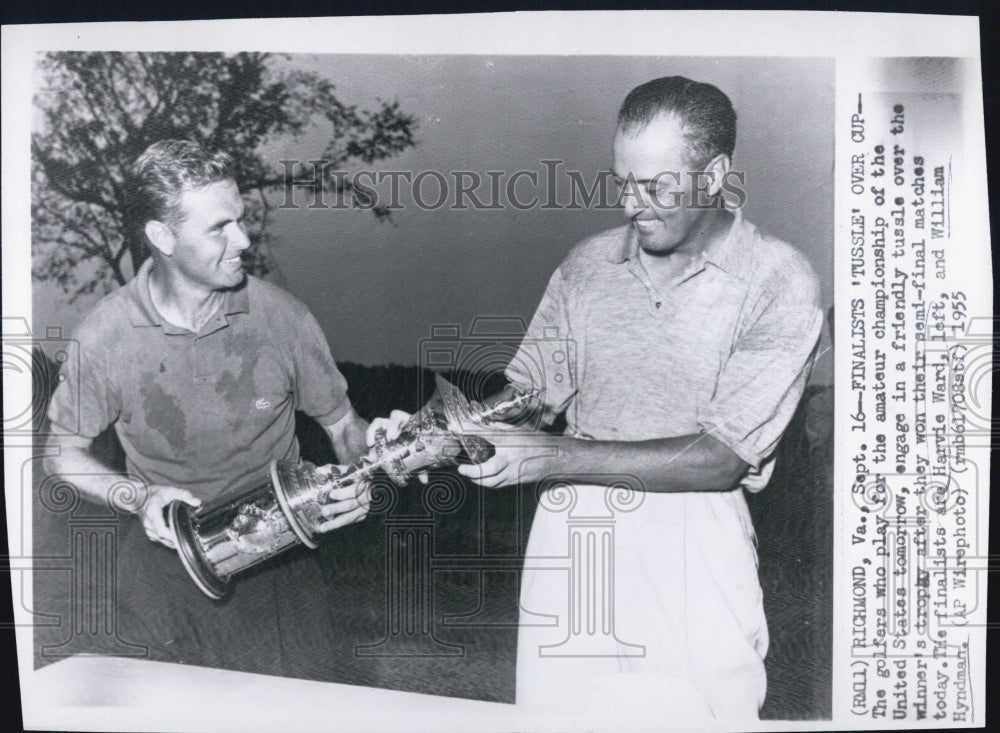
column 696, row 462
column 353, row 444
column 95, row 481
column 348, row 437
column 686, row 463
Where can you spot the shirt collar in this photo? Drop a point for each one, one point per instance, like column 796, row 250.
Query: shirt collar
column 142, row 312
column 729, row 253
column 626, row 249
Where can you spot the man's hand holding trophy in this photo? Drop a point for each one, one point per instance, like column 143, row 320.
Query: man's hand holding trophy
column 301, row 501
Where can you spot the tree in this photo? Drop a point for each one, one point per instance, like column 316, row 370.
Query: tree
column 99, row 111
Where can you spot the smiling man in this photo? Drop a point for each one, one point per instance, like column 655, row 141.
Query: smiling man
column 200, row 368
column 694, row 335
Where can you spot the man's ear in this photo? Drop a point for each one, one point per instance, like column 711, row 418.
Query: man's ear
column 160, row 236
column 717, row 169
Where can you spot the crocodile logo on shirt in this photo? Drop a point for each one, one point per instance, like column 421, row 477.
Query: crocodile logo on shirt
column 261, row 403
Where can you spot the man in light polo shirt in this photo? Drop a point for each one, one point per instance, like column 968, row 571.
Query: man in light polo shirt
column 200, row 369
column 694, row 334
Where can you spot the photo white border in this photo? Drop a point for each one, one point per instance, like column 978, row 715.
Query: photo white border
column 256, row 702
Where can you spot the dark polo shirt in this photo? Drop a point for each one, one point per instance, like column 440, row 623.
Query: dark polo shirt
column 203, row 411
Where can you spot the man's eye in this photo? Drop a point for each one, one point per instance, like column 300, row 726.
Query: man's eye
column 630, row 187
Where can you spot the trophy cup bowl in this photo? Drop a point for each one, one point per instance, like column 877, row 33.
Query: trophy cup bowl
column 222, row 539
column 217, row 541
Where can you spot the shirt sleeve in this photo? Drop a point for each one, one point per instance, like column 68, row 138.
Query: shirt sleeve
column 546, row 359
column 84, row 403
column 321, row 390
column 761, row 383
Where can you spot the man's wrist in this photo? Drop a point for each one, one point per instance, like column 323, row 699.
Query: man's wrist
column 563, row 456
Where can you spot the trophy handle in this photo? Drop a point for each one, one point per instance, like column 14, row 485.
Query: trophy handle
column 186, row 541
column 305, row 536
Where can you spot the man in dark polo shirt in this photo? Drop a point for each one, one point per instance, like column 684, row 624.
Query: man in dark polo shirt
column 200, row 369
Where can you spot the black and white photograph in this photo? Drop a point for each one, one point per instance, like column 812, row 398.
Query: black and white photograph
column 487, row 387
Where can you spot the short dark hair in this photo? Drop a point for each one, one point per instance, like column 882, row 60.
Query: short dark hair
column 161, row 174
column 705, row 113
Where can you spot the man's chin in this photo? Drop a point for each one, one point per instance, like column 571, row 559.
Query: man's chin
column 236, row 281
column 656, row 247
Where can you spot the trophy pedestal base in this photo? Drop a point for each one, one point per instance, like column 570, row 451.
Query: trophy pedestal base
column 186, row 539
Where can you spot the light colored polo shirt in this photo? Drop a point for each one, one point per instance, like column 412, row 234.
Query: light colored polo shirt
column 203, row 411
column 726, row 349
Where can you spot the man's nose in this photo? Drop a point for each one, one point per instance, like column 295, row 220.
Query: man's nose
column 633, row 203
column 238, row 238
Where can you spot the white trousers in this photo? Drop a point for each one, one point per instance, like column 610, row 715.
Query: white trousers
column 641, row 607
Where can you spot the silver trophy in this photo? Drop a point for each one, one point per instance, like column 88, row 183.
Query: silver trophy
column 215, row 542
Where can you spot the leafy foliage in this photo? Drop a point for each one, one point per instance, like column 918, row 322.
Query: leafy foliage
column 99, row 111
